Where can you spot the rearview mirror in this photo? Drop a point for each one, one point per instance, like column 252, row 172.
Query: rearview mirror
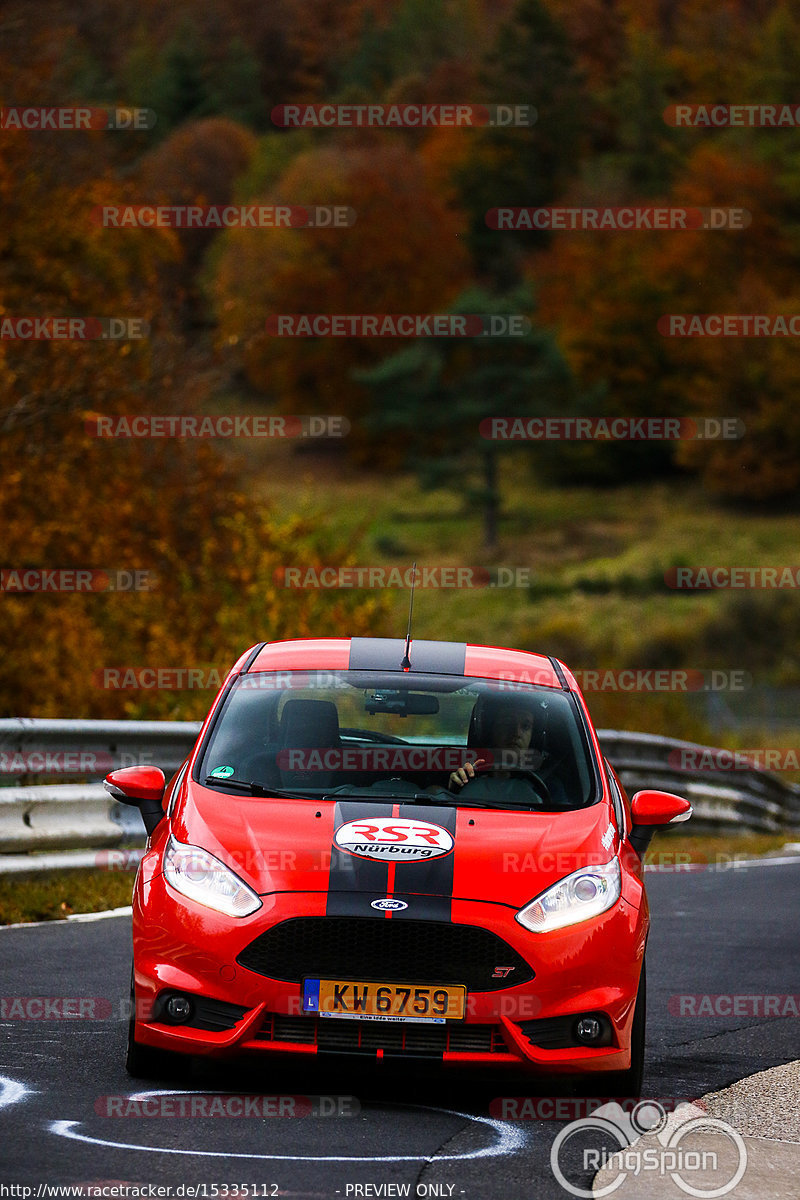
column 400, row 703
column 659, row 808
column 650, row 809
column 143, row 787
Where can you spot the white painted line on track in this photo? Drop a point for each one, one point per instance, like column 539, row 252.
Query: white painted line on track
column 510, row 1141
column 12, row 1091
column 125, row 911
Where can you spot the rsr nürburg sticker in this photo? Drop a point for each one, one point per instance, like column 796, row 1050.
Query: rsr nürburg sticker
column 394, row 839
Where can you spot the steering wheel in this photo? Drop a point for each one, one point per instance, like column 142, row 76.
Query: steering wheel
column 530, row 776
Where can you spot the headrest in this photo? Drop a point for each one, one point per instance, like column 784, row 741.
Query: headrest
column 309, row 723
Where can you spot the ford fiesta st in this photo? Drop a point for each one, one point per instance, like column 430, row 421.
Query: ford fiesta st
column 394, row 848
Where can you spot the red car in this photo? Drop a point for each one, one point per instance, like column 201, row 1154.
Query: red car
column 394, row 848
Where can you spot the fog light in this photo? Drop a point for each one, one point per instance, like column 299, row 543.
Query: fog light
column 588, row 1030
column 178, row 1009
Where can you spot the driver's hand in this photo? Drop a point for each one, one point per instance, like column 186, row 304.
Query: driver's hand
column 463, row 774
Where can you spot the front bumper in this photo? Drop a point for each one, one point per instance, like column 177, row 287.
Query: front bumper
column 592, row 968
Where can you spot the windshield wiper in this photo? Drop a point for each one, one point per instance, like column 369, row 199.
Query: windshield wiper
column 393, row 797
column 516, row 805
column 256, row 789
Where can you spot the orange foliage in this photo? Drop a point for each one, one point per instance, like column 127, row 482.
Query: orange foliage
column 69, row 500
column 403, row 255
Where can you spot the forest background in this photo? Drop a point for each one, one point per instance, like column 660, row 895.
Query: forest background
column 593, row 528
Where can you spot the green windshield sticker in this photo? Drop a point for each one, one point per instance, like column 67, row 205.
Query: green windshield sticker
column 221, row 772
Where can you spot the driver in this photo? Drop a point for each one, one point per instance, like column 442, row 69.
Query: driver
column 502, row 724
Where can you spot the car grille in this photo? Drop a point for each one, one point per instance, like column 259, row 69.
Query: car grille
column 366, row 1037
column 394, row 950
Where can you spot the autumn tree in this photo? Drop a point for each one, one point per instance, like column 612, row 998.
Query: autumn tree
column 606, row 293
column 170, row 509
column 403, row 254
column 199, row 163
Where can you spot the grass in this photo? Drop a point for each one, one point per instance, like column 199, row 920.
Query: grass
column 674, row 849
column 596, row 560
column 53, row 897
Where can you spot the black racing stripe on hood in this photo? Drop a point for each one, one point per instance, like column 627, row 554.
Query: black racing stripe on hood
column 425, row 886
column 350, row 877
column 433, row 878
column 386, row 654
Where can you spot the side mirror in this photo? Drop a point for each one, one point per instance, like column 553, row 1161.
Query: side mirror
column 650, row 809
column 143, row 787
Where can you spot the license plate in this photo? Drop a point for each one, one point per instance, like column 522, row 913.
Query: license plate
column 371, row 1001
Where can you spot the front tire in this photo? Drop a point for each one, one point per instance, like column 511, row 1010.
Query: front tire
column 629, row 1083
column 145, row 1062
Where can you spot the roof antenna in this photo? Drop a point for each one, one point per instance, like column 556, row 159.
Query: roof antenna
column 406, row 663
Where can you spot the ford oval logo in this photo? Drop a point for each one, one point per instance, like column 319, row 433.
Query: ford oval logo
column 394, row 905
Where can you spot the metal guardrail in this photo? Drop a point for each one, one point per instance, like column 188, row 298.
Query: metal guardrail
column 90, row 749
column 81, row 818
column 747, row 799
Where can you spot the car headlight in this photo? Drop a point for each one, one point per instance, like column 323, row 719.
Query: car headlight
column 583, row 894
column 197, row 874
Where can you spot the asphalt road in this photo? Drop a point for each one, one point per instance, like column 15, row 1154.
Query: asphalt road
column 714, row 933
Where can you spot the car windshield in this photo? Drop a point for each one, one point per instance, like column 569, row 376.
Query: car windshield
column 387, row 735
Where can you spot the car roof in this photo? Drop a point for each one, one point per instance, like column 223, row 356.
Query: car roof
column 426, row 657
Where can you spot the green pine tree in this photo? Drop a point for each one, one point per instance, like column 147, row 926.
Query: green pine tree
column 433, row 396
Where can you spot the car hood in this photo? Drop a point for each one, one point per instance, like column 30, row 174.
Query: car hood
column 392, row 849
